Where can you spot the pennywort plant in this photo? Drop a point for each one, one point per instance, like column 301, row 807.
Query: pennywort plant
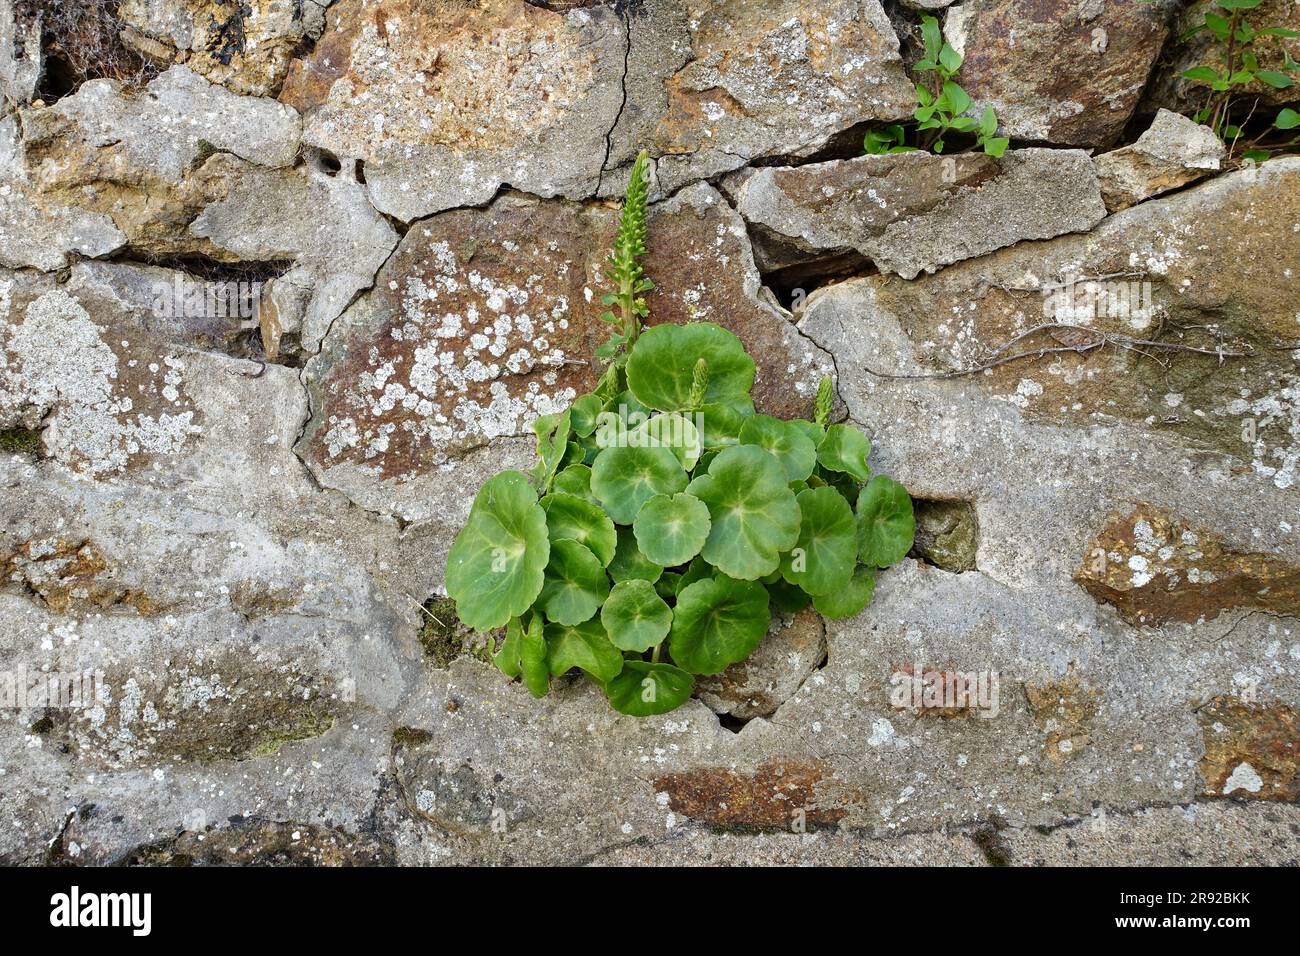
column 1239, row 68
column 942, row 104
column 666, row 519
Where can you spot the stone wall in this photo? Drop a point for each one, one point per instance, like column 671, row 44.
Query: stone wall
column 237, row 519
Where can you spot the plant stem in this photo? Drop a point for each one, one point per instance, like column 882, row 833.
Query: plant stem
column 1229, row 59
column 654, row 655
column 626, row 297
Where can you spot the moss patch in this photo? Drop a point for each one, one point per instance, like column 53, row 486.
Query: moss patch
column 310, row 724
column 20, row 441
column 445, row 638
column 947, row 534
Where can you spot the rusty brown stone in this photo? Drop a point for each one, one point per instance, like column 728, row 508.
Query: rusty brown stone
column 1252, row 750
column 770, row 796
column 1064, row 710
column 1058, row 71
column 485, row 319
column 764, row 76
column 934, row 688
column 445, row 100
column 1155, row 567
column 480, row 322
column 61, row 572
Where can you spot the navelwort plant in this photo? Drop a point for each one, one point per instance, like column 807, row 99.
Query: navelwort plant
column 941, row 107
column 665, row 519
column 1239, row 67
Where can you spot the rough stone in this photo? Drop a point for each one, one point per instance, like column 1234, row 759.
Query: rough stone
column 152, row 159
column 548, row 99
column 1065, row 711
column 484, row 320
column 777, row 795
column 947, row 534
column 1058, row 71
column 118, row 392
column 246, row 47
column 1189, row 834
column 162, row 132
column 755, row 687
column 258, row 842
column 446, row 102
column 1155, row 568
column 1252, row 750
column 20, row 57
column 914, row 212
column 321, row 223
column 778, row 78
column 1173, row 152
column 1163, row 270
column 39, row 234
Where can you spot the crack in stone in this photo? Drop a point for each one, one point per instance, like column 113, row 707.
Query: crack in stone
column 609, row 135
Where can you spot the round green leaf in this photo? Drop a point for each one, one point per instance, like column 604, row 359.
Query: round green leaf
column 575, row 480
column 845, row 449
column 635, row 616
column 886, row 524
column 509, row 654
column 626, row 478
column 532, row 659
column 671, row 430
column 568, row 516
column 620, row 417
column 851, row 598
column 671, row 529
column 814, row 431
column 629, row 563
column 583, row 414
column 495, row 566
column 785, row 441
column 661, row 366
column 717, row 622
column 585, row 646
column 822, row 560
column 754, row 514
column 722, row 424
column 644, row 689
column 575, row 584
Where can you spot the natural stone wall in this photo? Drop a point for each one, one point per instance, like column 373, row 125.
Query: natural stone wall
column 276, row 303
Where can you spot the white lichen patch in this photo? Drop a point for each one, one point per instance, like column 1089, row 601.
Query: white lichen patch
column 1263, row 419
column 1243, row 777
column 465, row 357
column 102, row 413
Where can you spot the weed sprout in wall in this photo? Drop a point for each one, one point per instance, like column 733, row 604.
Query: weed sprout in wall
column 665, row 518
